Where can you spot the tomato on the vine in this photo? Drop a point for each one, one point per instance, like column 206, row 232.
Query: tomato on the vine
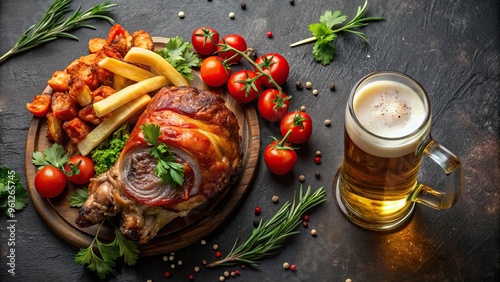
column 80, row 169
column 237, row 42
column 272, row 106
column 214, row 71
column 300, row 124
column 204, row 40
column 279, row 156
column 244, row 86
column 276, row 66
column 50, row 182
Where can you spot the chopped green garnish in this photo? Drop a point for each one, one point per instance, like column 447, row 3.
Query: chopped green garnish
column 180, row 55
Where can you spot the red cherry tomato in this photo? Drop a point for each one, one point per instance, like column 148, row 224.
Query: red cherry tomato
column 204, row 40
column 50, row 182
column 244, row 86
column 279, row 159
column 301, row 125
column 275, row 65
column 271, row 106
column 214, row 71
column 237, row 42
column 80, row 169
column 40, row 105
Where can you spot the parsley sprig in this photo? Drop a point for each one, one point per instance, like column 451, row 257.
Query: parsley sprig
column 268, row 237
column 180, row 55
column 325, row 32
column 53, row 25
column 55, row 156
column 13, row 196
column 104, row 262
column 167, row 169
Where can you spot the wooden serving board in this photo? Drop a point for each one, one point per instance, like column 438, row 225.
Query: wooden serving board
column 180, row 232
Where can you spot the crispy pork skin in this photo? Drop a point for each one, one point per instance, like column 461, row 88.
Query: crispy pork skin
column 203, row 135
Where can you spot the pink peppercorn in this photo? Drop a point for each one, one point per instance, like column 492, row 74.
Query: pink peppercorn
column 305, row 217
column 305, row 224
column 167, row 274
column 293, row 267
column 237, row 272
column 191, row 277
column 218, row 254
column 317, row 160
column 257, row 210
column 243, row 266
column 269, row 34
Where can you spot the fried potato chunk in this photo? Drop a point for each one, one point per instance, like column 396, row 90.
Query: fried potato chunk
column 59, row 81
column 76, row 129
column 142, row 39
column 96, row 44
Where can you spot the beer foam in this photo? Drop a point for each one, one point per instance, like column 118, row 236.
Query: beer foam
column 387, row 109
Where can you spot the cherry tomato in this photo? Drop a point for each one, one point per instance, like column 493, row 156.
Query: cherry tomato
column 301, row 125
column 279, row 158
column 237, row 42
column 275, row 65
column 214, row 71
column 40, row 105
column 204, row 40
column 271, row 106
column 80, row 169
column 244, row 86
column 50, row 182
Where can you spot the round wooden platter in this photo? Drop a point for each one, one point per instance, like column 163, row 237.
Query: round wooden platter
column 179, row 233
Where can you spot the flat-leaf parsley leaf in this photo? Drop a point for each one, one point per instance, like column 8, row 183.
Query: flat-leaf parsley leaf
column 325, row 33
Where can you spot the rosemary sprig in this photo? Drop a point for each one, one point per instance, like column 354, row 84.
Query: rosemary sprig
column 268, row 237
column 53, row 25
column 325, row 32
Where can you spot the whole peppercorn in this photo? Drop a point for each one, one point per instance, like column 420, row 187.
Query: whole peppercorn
column 257, row 210
column 292, row 2
column 302, row 108
column 275, row 199
column 305, row 217
column 215, row 247
column 231, row 15
column 222, row 279
column 308, row 85
column 226, row 274
column 218, row 254
column 317, row 174
column 237, row 272
column 305, row 224
column 328, row 122
column 243, row 6
column 293, row 267
column 181, row 14
column 332, row 87
column 269, row 34
column 167, row 274
column 298, row 86
column 315, row 92
column 302, row 178
column 191, row 277
column 286, row 265
column 255, row 223
column 318, row 153
column 317, row 160
column 314, row 232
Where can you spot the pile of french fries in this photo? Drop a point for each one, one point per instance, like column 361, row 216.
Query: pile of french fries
column 130, row 98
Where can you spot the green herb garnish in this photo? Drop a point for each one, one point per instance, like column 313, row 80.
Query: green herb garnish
column 267, row 238
column 325, row 32
column 180, row 55
column 106, row 154
column 103, row 263
column 167, row 169
column 13, row 196
column 53, row 25
column 78, row 197
column 55, row 156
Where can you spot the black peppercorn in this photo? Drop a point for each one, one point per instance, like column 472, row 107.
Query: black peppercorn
column 243, row 6
column 298, row 85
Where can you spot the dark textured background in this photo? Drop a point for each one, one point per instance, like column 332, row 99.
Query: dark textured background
column 451, row 47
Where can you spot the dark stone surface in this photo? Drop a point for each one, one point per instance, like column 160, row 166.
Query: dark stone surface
column 451, row 47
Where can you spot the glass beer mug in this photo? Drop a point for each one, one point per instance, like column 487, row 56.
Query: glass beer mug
column 387, row 132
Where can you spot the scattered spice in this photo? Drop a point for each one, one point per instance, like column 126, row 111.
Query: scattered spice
column 302, row 108
column 257, row 210
column 293, row 267
column 191, row 277
column 181, row 14
column 302, row 178
column 308, row 85
column 255, row 223
column 226, row 273
column 172, row 265
column 317, row 160
column 305, row 224
column 221, row 278
column 286, row 265
column 215, row 247
column 315, row 92
column 231, row 15
column 318, row 153
column 218, row 254
column 165, row 258
column 196, row 269
column 243, row 6
column 298, row 86
column 328, row 122
column 203, row 242
column 179, row 262
column 314, row 232
column 305, row 217
column 243, row 266
column 269, row 34
column 292, row 2
column 317, row 174
column 171, row 258
column 332, row 87
column 275, row 199
column 167, row 274
column 204, row 261
column 233, row 274
column 237, row 272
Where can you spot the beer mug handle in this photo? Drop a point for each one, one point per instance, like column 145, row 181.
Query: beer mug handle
column 428, row 196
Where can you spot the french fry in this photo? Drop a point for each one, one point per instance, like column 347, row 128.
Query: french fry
column 119, row 82
column 125, row 69
column 157, row 62
column 104, row 129
column 127, row 94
